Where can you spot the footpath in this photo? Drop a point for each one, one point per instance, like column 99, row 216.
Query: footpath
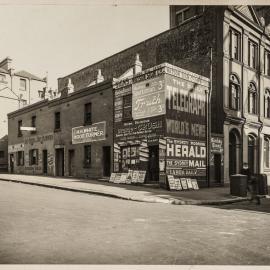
column 204, row 196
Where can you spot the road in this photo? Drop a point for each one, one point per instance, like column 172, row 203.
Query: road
column 41, row 225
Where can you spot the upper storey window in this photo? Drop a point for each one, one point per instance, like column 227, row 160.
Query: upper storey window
column 234, row 94
column 267, row 63
column 23, row 84
column 252, row 54
column 186, row 13
column 235, row 45
column 252, row 98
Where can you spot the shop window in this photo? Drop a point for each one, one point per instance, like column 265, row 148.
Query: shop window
column 266, row 152
column 252, row 54
column 2, row 154
column 252, row 98
column 87, row 155
column 234, row 93
column 235, row 45
column 267, row 103
column 129, row 157
column 19, row 128
column 88, row 114
column 33, row 122
column 267, row 63
column 20, row 158
column 127, row 107
column 23, row 84
column 57, row 121
column 33, row 157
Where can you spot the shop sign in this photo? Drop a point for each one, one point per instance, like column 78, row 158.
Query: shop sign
column 185, row 108
column 15, row 147
column 38, row 139
column 84, row 134
column 217, row 144
column 148, row 98
column 186, row 158
column 150, row 128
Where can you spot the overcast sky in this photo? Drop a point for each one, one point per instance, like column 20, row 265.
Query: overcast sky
column 61, row 39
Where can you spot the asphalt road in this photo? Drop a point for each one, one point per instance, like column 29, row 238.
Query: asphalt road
column 40, row 225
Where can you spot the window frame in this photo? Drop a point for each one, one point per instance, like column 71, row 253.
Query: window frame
column 24, row 86
column 33, row 161
column 33, row 123
column 238, row 50
column 267, row 103
column 234, row 81
column 88, row 113
column 87, row 156
column 2, row 154
column 127, row 107
column 57, row 121
column 253, row 61
column 20, row 123
column 266, row 152
column 20, row 158
column 252, row 96
column 267, row 62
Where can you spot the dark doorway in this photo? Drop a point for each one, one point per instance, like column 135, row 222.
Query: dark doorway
column 217, row 168
column 153, row 164
column 59, row 162
column 71, row 155
column 106, row 160
column 234, row 152
column 252, row 156
column 11, row 162
column 45, row 161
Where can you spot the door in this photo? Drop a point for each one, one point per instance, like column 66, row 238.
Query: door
column 45, row 161
column 153, row 164
column 71, row 154
column 11, row 162
column 59, row 162
column 106, row 160
column 217, row 168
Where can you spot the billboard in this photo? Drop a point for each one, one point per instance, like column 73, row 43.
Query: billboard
column 186, row 158
column 92, row 133
column 148, row 98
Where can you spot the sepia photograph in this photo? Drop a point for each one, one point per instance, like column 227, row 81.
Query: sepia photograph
column 134, row 133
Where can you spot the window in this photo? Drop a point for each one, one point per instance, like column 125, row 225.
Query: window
column 57, row 121
column 87, row 155
column 129, row 157
column 127, row 107
column 2, row 78
column 187, row 13
column 19, row 128
column 267, row 63
column 235, row 45
column 20, row 158
column 252, row 99
column 88, row 114
column 33, row 157
column 2, row 154
column 23, row 84
column 252, row 54
column 267, row 103
column 33, row 121
column 266, row 152
column 234, row 93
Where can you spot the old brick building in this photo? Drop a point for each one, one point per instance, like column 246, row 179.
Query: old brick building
column 61, row 143
column 240, row 68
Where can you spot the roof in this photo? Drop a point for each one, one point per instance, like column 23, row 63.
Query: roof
column 2, row 70
column 28, row 75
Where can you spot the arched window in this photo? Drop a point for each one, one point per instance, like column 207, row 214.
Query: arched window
column 267, row 103
column 252, row 98
column 234, row 93
column 266, row 152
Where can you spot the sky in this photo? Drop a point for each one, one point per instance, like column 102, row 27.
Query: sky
column 61, row 39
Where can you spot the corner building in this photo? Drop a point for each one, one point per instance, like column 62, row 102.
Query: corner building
column 73, row 135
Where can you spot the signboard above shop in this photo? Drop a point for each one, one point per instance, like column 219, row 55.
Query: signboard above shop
column 92, row 133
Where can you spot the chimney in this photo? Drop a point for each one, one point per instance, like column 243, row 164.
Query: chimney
column 70, row 86
column 100, row 78
column 6, row 64
column 138, row 64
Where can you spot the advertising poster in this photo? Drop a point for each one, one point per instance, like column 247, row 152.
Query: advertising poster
column 93, row 133
column 186, row 158
column 148, row 98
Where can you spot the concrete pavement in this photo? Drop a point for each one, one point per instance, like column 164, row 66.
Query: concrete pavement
column 205, row 196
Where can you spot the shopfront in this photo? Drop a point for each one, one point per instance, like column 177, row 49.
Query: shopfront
column 160, row 124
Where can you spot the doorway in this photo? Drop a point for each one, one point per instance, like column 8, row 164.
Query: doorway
column 45, row 161
column 59, row 162
column 217, row 168
column 252, row 154
column 106, row 160
column 153, row 164
column 71, row 155
column 11, row 162
column 234, row 152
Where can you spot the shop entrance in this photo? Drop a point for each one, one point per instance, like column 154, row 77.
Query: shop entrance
column 71, row 155
column 234, row 152
column 217, row 168
column 11, row 162
column 45, row 161
column 106, row 160
column 153, row 164
column 59, row 162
